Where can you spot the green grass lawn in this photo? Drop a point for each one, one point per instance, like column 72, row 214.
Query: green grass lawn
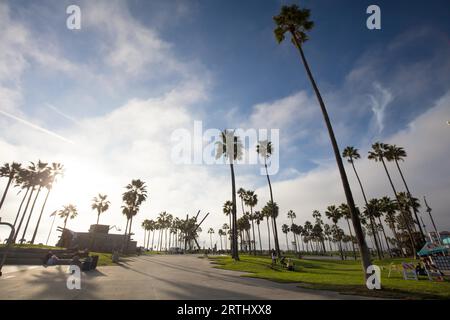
column 342, row 276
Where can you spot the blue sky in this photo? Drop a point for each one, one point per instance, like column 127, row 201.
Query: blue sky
column 216, row 61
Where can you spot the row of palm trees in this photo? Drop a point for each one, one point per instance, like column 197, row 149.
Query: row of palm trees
column 30, row 181
column 246, row 223
column 319, row 232
column 171, row 232
column 231, row 149
column 407, row 205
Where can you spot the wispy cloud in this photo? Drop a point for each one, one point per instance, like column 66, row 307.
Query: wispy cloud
column 379, row 101
column 36, row 127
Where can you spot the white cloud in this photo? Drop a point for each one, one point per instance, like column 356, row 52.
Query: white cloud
column 379, row 103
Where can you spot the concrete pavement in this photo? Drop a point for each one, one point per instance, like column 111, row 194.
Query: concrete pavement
column 152, row 277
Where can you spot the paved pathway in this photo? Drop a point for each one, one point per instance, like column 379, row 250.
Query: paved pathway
column 151, row 277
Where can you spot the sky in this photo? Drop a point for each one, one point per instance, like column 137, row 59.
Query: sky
column 106, row 99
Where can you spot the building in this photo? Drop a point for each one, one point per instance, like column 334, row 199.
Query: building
column 97, row 239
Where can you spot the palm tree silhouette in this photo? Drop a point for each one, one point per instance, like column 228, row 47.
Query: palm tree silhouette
column 352, row 154
column 334, row 214
column 378, row 154
column 346, row 214
column 226, row 227
column 100, row 204
column 68, row 211
column 211, row 232
column 230, row 147
column 285, row 229
column 258, row 217
column 41, row 174
column 396, row 154
column 251, row 200
column 10, row 172
column 267, row 214
column 242, row 193
column 24, row 181
column 291, row 215
column 297, row 22
column 264, row 149
column 135, row 195
column 54, row 171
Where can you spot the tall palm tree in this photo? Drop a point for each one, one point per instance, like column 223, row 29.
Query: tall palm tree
column 221, row 234
column 334, row 214
column 378, row 154
column 100, row 204
column 10, row 172
column 346, row 214
column 285, row 229
column 377, row 212
column 68, row 211
column 55, row 170
column 242, row 193
column 226, row 227
column 25, row 180
column 40, row 176
column 251, row 200
column 328, row 233
column 264, row 149
column 291, row 215
column 228, row 211
column 297, row 22
column 352, row 154
column 230, row 147
column 211, row 232
column 267, row 214
column 133, row 197
column 258, row 217
column 396, row 154
column 318, row 228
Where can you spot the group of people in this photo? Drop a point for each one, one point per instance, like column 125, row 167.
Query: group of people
column 52, row 259
column 285, row 262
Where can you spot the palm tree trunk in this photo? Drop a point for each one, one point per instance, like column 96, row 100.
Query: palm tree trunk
column 40, row 216
column 365, row 255
column 51, row 227
column 153, row 238
column 259, row 237
column 23, row 215
column 268, row 233
column 377, row 246
column 410, row 199
column 385, row 238
column 235, row 254
column 287, row 243
column 29, row 216
column 65, row 221
column 10, row 179
column 351, row 236
column 275, row 231
column 20, row 207
column 253, row 231
column 413, row 244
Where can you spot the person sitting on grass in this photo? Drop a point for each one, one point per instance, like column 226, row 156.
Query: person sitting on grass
column 53, row 260
column 274, row 257
column 290, row 264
